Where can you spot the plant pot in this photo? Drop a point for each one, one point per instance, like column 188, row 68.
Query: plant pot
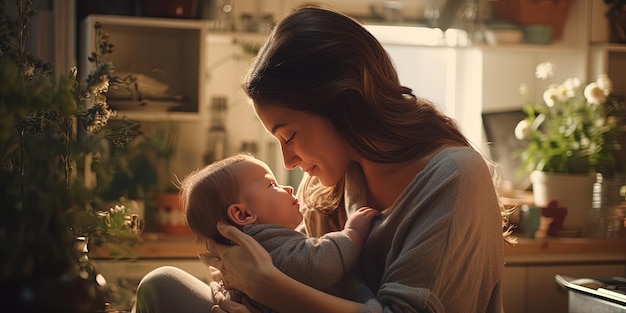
column 571, row 191
column 536, row 12
column 168, row 214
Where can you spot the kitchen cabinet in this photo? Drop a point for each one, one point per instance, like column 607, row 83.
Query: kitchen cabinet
column 166, row 57
column 532, row 288
column 605, row 57
column 609, row 59
column 529, row 284
column 182, row 68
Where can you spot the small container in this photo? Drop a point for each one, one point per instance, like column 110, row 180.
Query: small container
column 538, row 34
column 530, row 220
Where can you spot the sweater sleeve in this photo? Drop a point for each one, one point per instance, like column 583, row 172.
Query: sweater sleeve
column 316, row 262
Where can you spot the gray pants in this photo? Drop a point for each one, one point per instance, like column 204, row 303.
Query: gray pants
column 170, row 289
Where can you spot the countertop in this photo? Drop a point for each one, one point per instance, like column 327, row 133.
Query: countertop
column 164, row 246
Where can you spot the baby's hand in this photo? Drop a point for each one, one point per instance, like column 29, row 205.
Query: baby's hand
column 358, row 225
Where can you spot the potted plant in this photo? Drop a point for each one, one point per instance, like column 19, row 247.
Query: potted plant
column 125, row 175
column 571, row 137
column 616, row 16
column 161, row 148
column 48, row 128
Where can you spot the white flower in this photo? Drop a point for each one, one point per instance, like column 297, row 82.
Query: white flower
column 550, row 96
column 29, row 70
column 544, row 70
column 522, row 130
column 594, row 94
column 604, row 83
column 537, row 122
column 562, row 93
column 73, row 72
column 100, row 115
column 571, row 87
column 584, row 141
column 102, row 86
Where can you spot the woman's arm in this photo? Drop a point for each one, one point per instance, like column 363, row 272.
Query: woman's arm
column 248, row 267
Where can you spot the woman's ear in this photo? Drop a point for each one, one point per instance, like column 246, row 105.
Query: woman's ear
column 240, row 215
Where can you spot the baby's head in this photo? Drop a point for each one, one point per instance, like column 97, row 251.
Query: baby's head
column 240, row 190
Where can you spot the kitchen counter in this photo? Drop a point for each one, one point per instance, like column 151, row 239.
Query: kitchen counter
column 154, row 246
column 566, row 251
column 157, row 245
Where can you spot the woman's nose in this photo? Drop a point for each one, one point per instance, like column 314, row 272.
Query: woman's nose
column 290, row 159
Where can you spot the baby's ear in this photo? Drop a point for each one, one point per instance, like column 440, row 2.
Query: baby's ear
column 240, row 215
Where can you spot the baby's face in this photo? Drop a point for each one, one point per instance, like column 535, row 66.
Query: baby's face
column 264, row 197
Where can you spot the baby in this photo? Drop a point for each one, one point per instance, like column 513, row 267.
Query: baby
column 243, row 191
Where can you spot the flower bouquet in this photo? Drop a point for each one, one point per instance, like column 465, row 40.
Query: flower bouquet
column 572, row 136
column 572, row 130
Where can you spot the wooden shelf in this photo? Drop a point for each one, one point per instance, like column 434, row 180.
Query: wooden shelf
column 154, row 246
column 609, row 46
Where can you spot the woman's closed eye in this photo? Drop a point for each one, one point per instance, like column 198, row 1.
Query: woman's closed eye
column 288, row 141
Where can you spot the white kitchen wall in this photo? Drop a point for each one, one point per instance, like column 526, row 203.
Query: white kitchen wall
column 226, row 68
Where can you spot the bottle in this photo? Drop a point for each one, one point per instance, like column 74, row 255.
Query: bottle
column 217, row 131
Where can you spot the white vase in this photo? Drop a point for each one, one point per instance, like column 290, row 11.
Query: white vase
column 572, row 191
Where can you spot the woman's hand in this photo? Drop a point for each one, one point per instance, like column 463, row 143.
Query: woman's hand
column 242, row 266
column 249, row 268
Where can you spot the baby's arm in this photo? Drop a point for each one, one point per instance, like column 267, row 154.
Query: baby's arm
column 358, row 226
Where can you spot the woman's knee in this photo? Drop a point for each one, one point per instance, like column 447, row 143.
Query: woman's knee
column 167, row 287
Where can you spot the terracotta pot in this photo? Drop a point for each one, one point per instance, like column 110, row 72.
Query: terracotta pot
column 168, row 214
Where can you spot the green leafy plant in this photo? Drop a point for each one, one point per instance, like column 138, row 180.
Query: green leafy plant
column 572, row 130
column 161, row 146
column 49, row 131
column 126, row 172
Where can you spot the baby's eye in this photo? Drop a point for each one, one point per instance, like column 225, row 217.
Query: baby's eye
column 273, row 184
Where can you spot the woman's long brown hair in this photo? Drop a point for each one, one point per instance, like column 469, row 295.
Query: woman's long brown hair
column 323, row 62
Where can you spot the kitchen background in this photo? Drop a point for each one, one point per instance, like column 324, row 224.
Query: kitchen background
column 189, row 59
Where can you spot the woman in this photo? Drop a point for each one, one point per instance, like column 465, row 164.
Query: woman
column 327, row 90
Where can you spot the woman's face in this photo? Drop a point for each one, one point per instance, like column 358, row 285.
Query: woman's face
column 307, row 140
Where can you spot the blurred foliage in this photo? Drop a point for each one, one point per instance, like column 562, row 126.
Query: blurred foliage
column 49, row 131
